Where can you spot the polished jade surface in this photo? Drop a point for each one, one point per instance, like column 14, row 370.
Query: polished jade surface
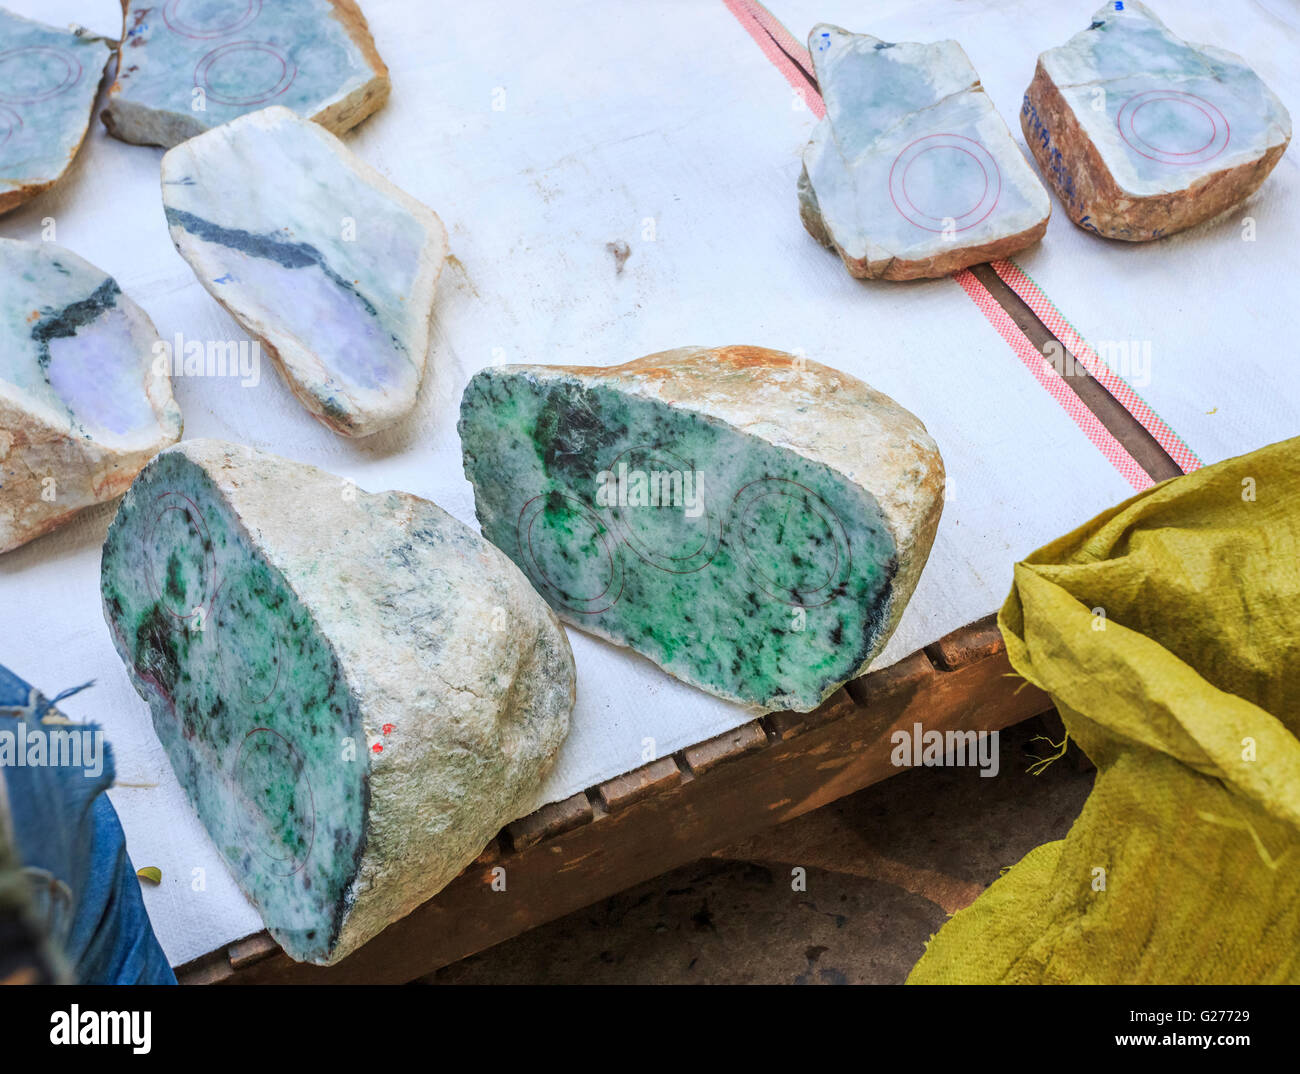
column 736, row 565
column 247, row 698
column 48, row 82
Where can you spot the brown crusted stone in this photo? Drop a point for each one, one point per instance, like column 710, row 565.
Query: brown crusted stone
column 1122, row 182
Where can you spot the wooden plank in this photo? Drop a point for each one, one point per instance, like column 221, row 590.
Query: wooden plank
column 551, row 820
column 975, row 642
column 725, row 747
column 784, row 725
column 907, row 674
column 210, row 969
column 251, row 949
column 653, row 778
column 661, row 821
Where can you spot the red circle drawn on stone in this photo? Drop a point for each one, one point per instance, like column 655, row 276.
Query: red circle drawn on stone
column 524, row 535
column 311, row 798
column 12, row 121
column 908, row 155
column 1219, row 127
column 833, row 523
column 196, row 519
column 648, row 556
column 203, row 72
column 177, row 25
column 71, row 77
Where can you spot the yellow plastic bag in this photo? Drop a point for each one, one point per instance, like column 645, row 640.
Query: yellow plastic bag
column 1167, row 631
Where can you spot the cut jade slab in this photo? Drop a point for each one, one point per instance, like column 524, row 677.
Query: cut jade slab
column 356, row 691
column 315, row 253
column 48, row 82
column 751, row 522
column 81, row 406
column 185, row 66
column 911, row 173
column 1142, row 134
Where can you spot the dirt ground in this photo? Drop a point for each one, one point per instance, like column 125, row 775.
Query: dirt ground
column 883, row 869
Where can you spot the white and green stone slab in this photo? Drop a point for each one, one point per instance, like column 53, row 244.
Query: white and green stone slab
column 912, row 173
column 185, row 66
column 315, row 253
column 355, row 690
column 1142, row 134
column 752, row 522
column 81, row 407
column 48, row 82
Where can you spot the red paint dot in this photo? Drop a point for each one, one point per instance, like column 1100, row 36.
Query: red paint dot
column 377, row 748
column 388, row 728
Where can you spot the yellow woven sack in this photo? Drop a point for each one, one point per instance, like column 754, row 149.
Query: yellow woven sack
column 1167, row 631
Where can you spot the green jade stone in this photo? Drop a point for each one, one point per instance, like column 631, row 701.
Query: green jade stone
column 743, row 567
column 254, row 703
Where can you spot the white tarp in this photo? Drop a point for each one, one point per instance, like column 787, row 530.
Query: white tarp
column 541, row 133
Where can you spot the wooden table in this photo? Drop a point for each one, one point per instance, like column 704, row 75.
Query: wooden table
column 672, row 811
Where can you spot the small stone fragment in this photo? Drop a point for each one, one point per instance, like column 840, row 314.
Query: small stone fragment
column 185, row 66
column 912, row 173
column 356, row 691
column 81, row 407
column 752, row 522
column 48, row 82
column 315, row 253
column 1143, row 135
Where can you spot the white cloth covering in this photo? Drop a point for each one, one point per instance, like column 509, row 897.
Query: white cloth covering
column 542, row 133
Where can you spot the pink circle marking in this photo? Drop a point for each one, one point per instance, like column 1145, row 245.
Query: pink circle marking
column 177, row 25
column 1220, row 130
column 524, row 532
column 311, row 800
column 990, row 195
column 203, row 72
column 191, row 510
column 709, row 544
column 71, row 75
column 12, row 121
column 833, row 523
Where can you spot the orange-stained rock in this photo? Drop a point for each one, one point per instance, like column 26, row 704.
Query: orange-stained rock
column 1141, row 134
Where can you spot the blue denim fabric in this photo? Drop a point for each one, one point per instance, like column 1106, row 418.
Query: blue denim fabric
column 68, row 839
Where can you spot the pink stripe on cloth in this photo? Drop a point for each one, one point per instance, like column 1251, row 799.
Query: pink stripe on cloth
column 1035, row 298
column 1055, row 384
column 756, row 19
column 783, row 37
